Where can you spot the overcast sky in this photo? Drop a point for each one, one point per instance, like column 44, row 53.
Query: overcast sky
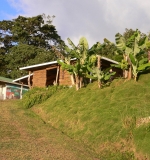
column 93, row 19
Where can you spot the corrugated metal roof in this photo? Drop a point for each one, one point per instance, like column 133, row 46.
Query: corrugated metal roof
column 10, row 81
column 55, row 62
column 5, row 79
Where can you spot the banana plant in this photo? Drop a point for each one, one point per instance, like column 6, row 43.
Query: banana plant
column 83, row 58
column 139, row 66
column 99, row 75
column 131, row 50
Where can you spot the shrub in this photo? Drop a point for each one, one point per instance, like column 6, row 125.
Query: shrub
column 38, row 95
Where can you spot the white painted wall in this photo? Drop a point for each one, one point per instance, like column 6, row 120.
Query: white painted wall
column 2, row 92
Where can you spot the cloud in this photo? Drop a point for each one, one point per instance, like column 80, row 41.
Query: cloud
column 95, row 20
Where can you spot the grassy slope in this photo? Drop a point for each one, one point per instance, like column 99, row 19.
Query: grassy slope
column 105, row 120
column 24, row 136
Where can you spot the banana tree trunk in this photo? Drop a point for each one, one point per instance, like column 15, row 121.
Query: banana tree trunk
column 77, row 82
column 149, row 56
column 126, row 72
column 99, row 84
column 80, row 83
column 135, row 76
column 130, row 73
column 72, row 79
column 98, row 62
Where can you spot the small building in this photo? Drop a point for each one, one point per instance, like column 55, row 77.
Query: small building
column 10, row 89
column 45, row 74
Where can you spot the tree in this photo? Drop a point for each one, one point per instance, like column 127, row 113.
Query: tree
column 134, row 51
column 83, row 57
column 101, row 76
column 32, row 34
column 85, row 65
column 24, row 55
column 108, row 49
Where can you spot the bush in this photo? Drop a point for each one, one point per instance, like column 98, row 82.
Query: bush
column 38, row 95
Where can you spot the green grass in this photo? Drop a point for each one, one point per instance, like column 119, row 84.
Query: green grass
column 103, row 116
column 25, row 136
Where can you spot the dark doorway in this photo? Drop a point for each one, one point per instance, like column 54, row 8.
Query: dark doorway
column 51, row 76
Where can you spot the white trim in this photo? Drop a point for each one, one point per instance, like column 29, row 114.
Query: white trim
column 110, row 60
column 38, row 65
column 22, row 77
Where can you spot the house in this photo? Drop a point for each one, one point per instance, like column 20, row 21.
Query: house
column 45, row 74
column 10, row 89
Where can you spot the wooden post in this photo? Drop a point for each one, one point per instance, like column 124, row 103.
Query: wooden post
column 57, row 75
column 29, row 78
column 21, row 90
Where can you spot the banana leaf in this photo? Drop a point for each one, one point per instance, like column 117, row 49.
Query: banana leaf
column 83, row 42
column 91, row 77
column 136, row 47
column 128, row 50
column 71, row 43
column 143, row 61
column 120, row 41
column 144, row 67
column 116, row 65
column 132, row 58
column 108, row 75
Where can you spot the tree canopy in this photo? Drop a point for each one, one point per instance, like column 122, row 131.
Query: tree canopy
column 26, row 41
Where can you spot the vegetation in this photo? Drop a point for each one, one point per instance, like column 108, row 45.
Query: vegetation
column 38, row 95
column 134, row 49
column 113, row 122
column 26, row 41
column 24, row 135
column 87, row 63
column 82, row 56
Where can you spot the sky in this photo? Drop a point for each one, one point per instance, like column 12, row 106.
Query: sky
column 93, row 19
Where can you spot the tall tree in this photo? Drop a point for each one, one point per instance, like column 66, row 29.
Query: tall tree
column 24, row 55
column 22, row 33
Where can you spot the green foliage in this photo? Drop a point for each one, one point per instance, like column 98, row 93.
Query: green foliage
column 105, row 120
column 99, row 75
column 38, row 95
column 27, row 40
column 108, row 49
column 24, row 55
column 83, row 58
column 133, row 49
column 123, row 65
column 29, row 30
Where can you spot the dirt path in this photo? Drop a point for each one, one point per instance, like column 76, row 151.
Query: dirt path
column 24, row 136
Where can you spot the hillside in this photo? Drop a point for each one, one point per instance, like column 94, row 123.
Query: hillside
column 113, row 121
column 25, row 136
